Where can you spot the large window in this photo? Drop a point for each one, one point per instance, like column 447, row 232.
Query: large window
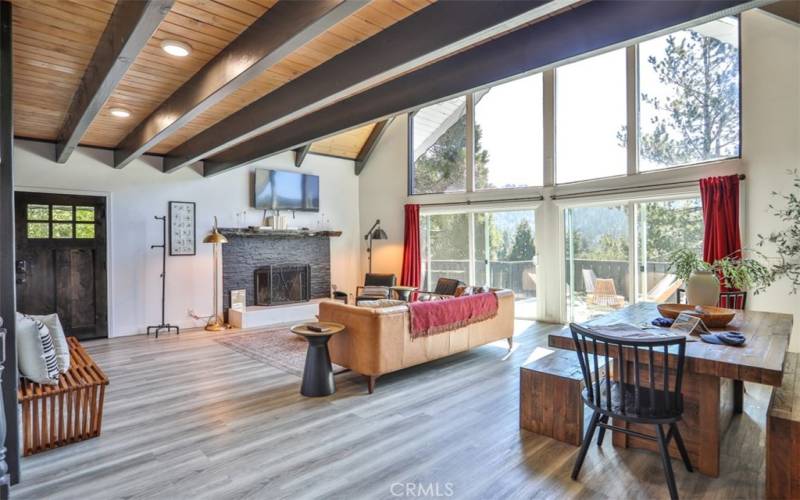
column 590, row 112
column 509, row 135
column 440, row 147
column 685, row 86
column 493, row 248
column 689, row 96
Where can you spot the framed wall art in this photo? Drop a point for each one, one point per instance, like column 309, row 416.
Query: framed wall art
column 182, row 228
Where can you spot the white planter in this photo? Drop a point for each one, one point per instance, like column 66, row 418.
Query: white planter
column 702, row 289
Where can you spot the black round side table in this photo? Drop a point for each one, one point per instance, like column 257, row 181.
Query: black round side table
column 318, row 372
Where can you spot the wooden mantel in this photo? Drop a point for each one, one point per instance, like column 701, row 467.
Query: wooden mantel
column 279, row 233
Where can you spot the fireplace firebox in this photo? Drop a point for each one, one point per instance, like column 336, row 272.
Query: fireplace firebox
column 285, row 284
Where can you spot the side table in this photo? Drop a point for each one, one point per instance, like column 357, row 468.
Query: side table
column 318, row 372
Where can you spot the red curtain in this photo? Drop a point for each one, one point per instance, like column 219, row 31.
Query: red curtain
column 720, row 196
column 411, row 248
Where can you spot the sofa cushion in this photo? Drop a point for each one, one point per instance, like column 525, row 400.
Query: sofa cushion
column 381, row 303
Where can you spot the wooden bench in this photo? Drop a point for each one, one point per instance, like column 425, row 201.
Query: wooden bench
column 550, row 397
column 56, row 415
column 783, row 433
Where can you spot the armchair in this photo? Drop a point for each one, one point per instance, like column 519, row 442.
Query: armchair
column 444, row 287
column 376, row 287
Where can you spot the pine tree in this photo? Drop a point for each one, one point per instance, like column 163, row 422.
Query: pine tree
column 523, row 247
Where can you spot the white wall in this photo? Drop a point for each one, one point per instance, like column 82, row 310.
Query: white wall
column 771, row 145
column 140, row 191
column 770, row 136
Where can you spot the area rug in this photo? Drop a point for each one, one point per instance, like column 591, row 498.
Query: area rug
column 275, row 346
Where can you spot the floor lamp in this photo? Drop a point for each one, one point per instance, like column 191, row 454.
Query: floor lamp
column 374, row 233
column 215, row 322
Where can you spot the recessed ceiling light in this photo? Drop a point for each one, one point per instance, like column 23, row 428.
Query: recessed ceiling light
column 176, row 48
column 120, row 112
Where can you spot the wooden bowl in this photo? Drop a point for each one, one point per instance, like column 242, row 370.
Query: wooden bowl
column 713, row 317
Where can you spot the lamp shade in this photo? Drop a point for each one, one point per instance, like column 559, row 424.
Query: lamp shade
column 379, row 234
column 215, row 236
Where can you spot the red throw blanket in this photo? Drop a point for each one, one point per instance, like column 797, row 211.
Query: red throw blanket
column 437, row 316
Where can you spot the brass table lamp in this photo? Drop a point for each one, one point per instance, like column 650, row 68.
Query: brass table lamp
column 215, row 322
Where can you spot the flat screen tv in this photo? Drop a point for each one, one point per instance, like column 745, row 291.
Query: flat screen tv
column 282, row 190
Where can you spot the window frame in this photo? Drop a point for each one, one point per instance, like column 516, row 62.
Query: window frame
column 50, row 221
column 550, row 162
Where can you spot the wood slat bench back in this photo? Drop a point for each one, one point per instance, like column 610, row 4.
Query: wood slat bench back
column 72, row 410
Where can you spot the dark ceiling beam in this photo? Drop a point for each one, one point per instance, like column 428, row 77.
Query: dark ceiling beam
column 591, row 27
column 300, row 155
column 129, row 28
column 370, row 143
column 432, row 32
column 786, row 9
column 285, row 27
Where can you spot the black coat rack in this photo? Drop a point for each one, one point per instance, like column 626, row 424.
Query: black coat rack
column 163, row 247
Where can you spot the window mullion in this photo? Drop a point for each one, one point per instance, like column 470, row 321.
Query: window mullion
column 470, row 160
column 632, row 90
column 549, row 127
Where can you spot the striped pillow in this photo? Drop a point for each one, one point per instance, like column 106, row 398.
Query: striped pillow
column 35, row 351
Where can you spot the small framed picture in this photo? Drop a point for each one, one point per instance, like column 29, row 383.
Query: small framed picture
column 239, row 299
column 182, row 228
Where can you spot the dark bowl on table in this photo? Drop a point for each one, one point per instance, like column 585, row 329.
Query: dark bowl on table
column 712, row 316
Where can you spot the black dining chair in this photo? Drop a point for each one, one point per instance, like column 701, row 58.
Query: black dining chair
column 728, row 300
column 630, row 399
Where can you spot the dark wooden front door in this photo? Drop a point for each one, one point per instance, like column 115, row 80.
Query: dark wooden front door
column 61, row 260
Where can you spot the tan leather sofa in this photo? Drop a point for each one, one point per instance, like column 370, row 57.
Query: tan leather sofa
column 377, row 341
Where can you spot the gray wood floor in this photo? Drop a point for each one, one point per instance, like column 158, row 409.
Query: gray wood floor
column 188, row 418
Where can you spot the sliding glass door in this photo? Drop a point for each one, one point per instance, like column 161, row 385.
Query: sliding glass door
column 493, row 248
column 598, row 260
column 662, row 227
column 618, row 254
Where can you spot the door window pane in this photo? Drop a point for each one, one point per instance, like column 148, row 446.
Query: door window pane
column 662, row 228
column 84, row 231
column 62, row 213
column 38, row 212
column 509, row 135
column 505, row 256
column 590, row 118
column 62, row 230
column 38, row 230
column 84, row 214
column 440, row 147
column 689, row 96
column 597, row 260
column 445, row 248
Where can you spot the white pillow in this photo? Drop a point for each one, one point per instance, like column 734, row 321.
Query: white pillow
column 35, row 351
column 53, row 324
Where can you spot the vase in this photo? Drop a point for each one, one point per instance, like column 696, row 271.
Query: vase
column 702, row 289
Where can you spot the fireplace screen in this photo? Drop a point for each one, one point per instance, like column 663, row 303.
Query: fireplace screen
column 282, row 285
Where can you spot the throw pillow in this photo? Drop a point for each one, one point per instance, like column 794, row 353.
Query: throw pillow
column 375, row 291
column 53, row 324
column 35, row 351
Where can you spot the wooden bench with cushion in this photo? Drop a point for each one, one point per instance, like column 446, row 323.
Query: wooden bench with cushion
column 55, row 415
column 783, row 434
column 550, row 401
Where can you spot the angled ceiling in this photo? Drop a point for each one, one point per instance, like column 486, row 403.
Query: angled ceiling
column 265, row 76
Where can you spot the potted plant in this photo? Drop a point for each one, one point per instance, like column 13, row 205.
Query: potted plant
column 703, row 280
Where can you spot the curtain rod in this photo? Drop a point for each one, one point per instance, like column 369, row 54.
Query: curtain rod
column 480, row 202
column 626, row 190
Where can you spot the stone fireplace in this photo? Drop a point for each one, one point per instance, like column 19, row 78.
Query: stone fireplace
column 284, row 284
column 276, row 267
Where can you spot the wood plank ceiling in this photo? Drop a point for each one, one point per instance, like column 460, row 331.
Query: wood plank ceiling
column 54, row 41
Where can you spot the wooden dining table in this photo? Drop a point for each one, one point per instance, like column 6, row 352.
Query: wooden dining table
column 713, row 380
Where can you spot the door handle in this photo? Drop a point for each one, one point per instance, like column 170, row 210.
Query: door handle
column 22, row 271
